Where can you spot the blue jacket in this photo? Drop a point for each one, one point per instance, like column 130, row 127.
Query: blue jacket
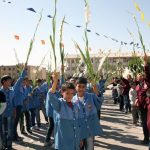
column 10, row 93
column 19, row 95
column 66, row 129
column 49, row 108
column 101, row 86
column 28, row 101
column 44, row 89
column 88, row 117
column 36, row 97
column 30, row 97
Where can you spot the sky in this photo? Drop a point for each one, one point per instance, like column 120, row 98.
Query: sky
column 108, row 17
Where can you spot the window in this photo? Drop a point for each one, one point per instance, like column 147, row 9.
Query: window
column 9, row 69
column 4, row 69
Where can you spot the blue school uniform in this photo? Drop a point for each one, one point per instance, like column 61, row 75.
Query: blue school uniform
column 30, row 98
column 101, row 86
column 10, row 94
column 88, row 117
column 44, row 89
column 36, row 97
column 28, row 101
column 49, row 108
column 66, row 129
column 6, row 126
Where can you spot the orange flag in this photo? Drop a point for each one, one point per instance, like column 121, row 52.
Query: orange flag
column 16, row 37
column 43, row 42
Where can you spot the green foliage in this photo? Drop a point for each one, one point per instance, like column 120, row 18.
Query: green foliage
column 136, row 65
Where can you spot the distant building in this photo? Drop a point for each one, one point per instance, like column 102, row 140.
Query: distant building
column 13, row 71
column 72, row 60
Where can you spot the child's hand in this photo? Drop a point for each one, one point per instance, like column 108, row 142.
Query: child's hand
column 55, row 76
column 95, row 90
column 81, row 144
column 55, row 79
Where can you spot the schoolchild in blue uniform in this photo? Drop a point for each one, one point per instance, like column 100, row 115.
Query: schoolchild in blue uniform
column 18, row 99
column 36, row 98
column 44, row 90
column 49, row 111
column 25, row 109
column 88, row 103
column 66, row 129
column 9, row 114
column 101, row 89
column 31, row 105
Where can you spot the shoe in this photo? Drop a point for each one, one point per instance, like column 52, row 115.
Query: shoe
column 18, row 139
column 35, row 128
column 46, row 119
column 145, row 142
column 24, row 132
column 29, row 131
column 47, row 144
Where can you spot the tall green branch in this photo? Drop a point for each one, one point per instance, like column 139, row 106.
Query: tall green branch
column 33, row 39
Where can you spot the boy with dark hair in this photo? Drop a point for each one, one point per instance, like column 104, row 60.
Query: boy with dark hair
column 66, row 128
column 36, row 99
column 88, row 104
column 49, row 112
column 8, row 116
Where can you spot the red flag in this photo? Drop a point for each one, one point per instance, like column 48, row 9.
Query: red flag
column 16, row 37
column 43, row 42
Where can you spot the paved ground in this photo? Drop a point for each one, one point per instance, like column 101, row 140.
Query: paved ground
column 119, row 133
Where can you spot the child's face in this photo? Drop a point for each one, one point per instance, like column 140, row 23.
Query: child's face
column 7, row 83
column 80, row 88
column 133, row 86
column 68, row 94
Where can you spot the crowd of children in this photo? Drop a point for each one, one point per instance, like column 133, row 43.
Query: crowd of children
column 71, row 108
column 71, row 111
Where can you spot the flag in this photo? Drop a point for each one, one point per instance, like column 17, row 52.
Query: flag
column 97, row 34
column 49, row 16
column 137, row 7
column 16, row 37
column 31, row 9
column 142, row 16
column 43, row 42
column 78, row 26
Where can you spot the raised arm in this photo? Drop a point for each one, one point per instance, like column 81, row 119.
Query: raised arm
column 51, row 97
column 18, row 83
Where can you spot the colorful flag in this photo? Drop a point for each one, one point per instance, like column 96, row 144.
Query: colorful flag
column 142, row 16
column 16, row 37
column 43, row 42
column 31, row 9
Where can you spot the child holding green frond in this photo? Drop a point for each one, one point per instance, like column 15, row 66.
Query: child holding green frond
column 88, row 104
column 66, row 113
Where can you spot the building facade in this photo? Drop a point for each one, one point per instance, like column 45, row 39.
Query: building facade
column 14, row 70
column 72, row 61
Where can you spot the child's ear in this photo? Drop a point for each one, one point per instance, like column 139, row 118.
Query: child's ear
column 62, row 92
